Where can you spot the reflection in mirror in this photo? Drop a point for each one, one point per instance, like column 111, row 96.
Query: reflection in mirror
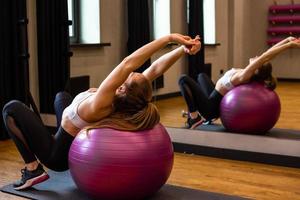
column 85, row 17
column 170, row 109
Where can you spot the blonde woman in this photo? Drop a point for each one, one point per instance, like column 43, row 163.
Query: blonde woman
column 122, row 101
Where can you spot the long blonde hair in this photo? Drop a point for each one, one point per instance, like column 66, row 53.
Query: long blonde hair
column 132, row 110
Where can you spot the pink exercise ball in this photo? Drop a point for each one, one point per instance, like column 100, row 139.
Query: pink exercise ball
column 250, row 108
column 112, row 164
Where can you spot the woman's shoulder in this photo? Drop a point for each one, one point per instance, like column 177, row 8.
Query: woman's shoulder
column 235, row 69
column 231, row 70
column 84, row 95
column 92, row 90
column 89, row 91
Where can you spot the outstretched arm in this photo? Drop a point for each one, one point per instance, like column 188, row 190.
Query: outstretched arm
column 161, row 65
column 246, row 74
column 104, row 96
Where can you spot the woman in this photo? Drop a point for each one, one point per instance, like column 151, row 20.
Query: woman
column 122, row 101
column 203, row 97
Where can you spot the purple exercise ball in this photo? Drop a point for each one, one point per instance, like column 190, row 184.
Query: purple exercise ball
column 250, row 108
column 112, row 164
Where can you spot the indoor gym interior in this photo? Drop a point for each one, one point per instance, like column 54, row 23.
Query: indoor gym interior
column 241, row 33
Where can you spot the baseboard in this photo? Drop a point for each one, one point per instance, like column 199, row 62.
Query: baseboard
column 166, row 96
column 288, row 79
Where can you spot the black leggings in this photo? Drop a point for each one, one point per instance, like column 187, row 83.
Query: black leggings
column 201, row 95
column 33, row 139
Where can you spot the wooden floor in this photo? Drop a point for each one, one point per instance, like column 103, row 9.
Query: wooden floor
column 246, row 179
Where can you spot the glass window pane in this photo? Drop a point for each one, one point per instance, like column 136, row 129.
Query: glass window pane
column 161, row 18
column 89, row 21
column 71, row 17
column 209, row 21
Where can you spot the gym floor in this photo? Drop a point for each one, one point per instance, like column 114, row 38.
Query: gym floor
column 246, row 179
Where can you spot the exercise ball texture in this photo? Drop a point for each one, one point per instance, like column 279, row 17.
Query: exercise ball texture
column 112, row 164
column 250, row 108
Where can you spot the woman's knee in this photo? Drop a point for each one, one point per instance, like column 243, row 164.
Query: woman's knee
column 62, row 100
column 62, row 95
column 12, row 107
column 182, row 79
column 202, row 76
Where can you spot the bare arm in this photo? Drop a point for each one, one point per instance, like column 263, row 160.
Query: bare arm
column 91, row 109
column 246, row 74
column 161, row 65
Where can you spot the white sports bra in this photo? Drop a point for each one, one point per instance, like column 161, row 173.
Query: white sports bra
column 71, row 110
column 225, row 80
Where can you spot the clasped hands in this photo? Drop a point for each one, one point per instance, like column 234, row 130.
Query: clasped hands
column 294, row 42
column 190, row 46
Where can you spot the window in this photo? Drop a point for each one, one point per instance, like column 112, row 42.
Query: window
column 209, row 21
column 71, row 17
column 85, row 17
column 161, row 18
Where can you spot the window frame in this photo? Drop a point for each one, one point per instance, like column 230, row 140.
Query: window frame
column 76, row 39
column 75, row 22
column 152, row 18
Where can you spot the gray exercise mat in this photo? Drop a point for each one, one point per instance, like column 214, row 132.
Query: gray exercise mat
column 61, row 186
